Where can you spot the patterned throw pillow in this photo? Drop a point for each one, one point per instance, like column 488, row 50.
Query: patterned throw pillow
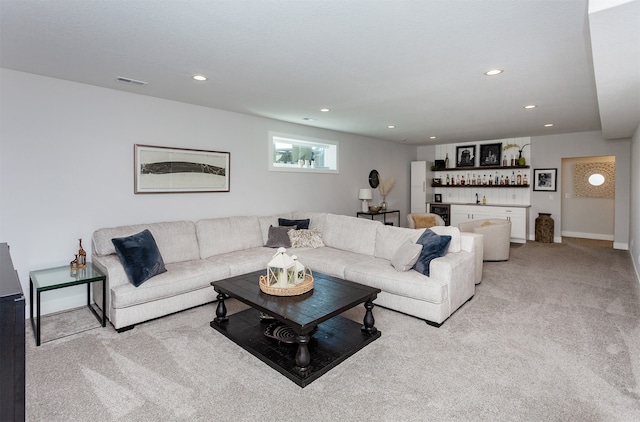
column 306, row 238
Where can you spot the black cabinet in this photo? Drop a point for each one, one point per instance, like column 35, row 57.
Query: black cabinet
column 443, row 210
column 12, row 330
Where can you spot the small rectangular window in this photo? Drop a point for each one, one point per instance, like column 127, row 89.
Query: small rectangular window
column 301, row 154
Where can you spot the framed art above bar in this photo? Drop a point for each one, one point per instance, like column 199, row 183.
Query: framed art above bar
column 466, row 156
column 180, row 170
column 490, row 154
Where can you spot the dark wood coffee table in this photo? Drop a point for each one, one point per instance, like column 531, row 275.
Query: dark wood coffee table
column 323, row 337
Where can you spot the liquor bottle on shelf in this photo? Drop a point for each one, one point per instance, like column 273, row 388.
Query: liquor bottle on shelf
column 446, row 161
column 524, row 179
column 462, row 180
column 448, row 180
column 519, row 179
column 513, row 161
column 504, row 160
column 513, row 178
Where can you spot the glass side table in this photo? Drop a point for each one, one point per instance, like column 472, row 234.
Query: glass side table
column 58, row 278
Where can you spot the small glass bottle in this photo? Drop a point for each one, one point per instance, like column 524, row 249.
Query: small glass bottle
column 519, row 179
column 484, row 200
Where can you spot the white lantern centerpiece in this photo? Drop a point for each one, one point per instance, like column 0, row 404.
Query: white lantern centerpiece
column 281, row 270
column 286, row 276
column 300, row 269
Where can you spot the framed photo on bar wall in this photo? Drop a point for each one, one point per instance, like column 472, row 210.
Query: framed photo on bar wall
column 490, row 154
column 180, row 170
column 545, row 179
column 437, row 197
column 466, row 156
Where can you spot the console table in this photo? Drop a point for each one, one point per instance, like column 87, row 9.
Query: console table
column 383, row 214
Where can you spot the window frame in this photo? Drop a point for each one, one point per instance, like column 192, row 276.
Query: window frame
column 334, row 146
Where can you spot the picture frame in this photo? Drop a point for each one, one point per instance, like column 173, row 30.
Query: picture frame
column 466, row 156
column 545, row 179
column 490, row 154
column 159, row 169
column 437, row 197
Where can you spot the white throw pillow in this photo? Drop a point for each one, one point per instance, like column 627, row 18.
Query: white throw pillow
column 306, row 238
column 406, row 256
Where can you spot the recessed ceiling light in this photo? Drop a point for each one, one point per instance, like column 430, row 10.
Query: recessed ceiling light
column 325, row 110
column 199, row 77
column 309, row 119
column 432, row 137
column 530, row 106
column 391, row 127
column 548, row 125
column 493, row 72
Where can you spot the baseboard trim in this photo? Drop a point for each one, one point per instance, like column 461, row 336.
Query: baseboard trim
column 595, row 236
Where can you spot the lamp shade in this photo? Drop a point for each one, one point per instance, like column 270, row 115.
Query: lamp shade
column 365, row 194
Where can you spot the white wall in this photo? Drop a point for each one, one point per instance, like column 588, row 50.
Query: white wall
column 66, row 155
column 599, row 222
column 549, row 151
column 634, row 232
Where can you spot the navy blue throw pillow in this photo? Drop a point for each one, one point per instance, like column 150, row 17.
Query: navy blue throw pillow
column 140, row 256
column 433, row 246
column 301, row 224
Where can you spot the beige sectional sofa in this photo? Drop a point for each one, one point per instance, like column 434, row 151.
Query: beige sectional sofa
column 359, row 250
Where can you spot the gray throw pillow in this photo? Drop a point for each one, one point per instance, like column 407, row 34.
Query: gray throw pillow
column 279, row 237
column 406, row 256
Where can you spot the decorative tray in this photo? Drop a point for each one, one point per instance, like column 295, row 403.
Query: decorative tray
column 282, row 333
column 296, row 290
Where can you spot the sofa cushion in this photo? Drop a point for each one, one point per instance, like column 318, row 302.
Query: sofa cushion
column 140, row 256
column 317, row 220
column 350, row 234
column 329, row 260
column 302, row 224
column 454, row 232
column 180, row 277
column 306, row 238
column 380, row 274
column 406, row 256
column 390, row 238
column 222, row 235
column 268, row 221
column 176, row 240
column 279, row 237
column 433, row 246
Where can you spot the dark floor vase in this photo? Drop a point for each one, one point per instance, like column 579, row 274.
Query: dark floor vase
column 544, row 228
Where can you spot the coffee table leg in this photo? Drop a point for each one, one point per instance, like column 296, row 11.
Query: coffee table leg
column 221, row 310
column 369, row 321
column 303, row 357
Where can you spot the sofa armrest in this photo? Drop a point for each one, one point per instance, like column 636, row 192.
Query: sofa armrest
column 474, row 243
column 111, row 266
column 457, row 269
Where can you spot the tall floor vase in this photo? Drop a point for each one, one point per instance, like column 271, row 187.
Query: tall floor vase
column 544, row 228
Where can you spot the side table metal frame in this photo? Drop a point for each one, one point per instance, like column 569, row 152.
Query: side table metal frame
column 36, row 325
column 383, row 213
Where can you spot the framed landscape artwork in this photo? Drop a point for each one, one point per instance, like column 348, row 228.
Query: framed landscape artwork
column 545, row 179
column 490, row 154
column 180, row 170
column 466, row 156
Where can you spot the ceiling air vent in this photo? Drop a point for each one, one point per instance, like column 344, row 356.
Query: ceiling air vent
column 131, row 81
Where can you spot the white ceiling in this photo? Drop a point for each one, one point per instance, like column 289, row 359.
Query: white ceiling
column 415, row 64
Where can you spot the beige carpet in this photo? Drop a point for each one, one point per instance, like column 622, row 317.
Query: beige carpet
column 551, row 335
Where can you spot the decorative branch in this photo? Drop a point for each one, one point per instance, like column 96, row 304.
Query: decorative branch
column 386, row 185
